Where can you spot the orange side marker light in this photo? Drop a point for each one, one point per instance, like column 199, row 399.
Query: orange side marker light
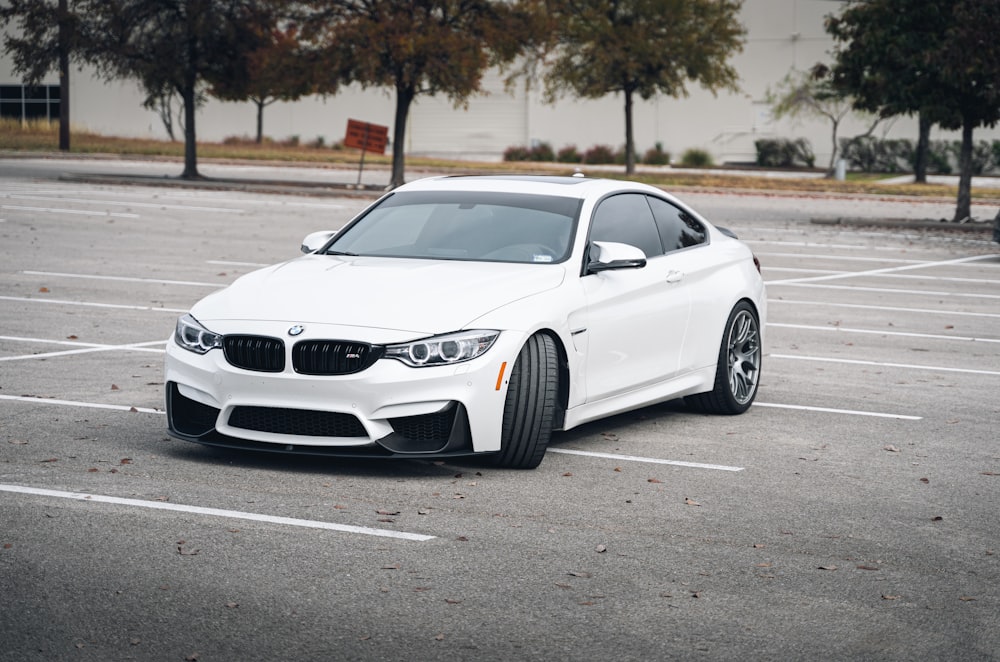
column 503, row 368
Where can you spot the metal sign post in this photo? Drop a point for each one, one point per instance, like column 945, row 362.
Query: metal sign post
column 366, row 137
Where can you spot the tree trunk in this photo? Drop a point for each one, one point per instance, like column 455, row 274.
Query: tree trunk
column 923, row 147
column 189, row 95
column 832, row 168
column 63, row 76
column 190, row 141
column 260, row 120
column 963, row 210
column 629, row 139
column 404, row 97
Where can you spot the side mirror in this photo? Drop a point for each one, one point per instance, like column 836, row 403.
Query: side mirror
column 610, row 255
column 316, row 240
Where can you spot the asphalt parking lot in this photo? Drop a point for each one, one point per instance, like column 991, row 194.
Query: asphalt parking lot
column 852, row 513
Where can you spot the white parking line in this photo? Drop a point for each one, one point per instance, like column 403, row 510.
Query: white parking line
column 982, row 281
column 77, row 212
column 862, row 306
column 88, row 348
column 845, row 412
column 126, row 279
column 647, row 460
column 875, row 272
column 814, row 244
column 92, row 304
column 908, row 366
column 95, row 201
column 227, row 263
column 880, row 332
column 840, row 258
column 217, row 512
column 884, row 290
column 85, row 405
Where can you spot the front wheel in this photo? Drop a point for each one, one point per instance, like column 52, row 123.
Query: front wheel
column 738, row 371
column 530, row 408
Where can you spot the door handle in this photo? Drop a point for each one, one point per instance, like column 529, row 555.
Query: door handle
column 675, row 276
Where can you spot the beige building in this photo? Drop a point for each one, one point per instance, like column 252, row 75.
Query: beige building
column 782, row 35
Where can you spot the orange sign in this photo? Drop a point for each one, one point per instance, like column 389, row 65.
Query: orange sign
column 366, row 137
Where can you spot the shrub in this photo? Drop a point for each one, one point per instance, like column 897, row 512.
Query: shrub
column 516, row 153
column 319, row 143
column 995, row 146
column 599, row 154
column 784, row 153
column 656, row 156
column 938, row 159
column 237, row 140
column 542, row 152
column 869, row 154
column 620, row 156
column 982, row 156
column 539, row 152
column 569, row 154
column 696, row 158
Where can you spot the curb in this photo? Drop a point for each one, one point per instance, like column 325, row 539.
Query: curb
column 319, row 189
column 985, row 227
column 245, row 185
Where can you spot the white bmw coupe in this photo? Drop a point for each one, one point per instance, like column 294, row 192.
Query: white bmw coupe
column 473, row 315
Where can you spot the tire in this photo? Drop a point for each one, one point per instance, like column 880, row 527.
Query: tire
column 738, row 371
column 530, row 408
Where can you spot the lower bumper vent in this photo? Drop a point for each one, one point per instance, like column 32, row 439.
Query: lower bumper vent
column 303, row 422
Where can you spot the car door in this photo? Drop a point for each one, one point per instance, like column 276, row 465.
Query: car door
column 635, row 318
column 684, row 239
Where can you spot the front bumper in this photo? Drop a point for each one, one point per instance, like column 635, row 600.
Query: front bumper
column 388, row 410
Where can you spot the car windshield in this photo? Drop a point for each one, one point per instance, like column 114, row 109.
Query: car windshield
column 464, row 225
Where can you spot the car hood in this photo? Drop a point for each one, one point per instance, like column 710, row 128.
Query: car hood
column 419, row 296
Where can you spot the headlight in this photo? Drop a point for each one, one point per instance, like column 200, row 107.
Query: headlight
column 443, row 350
column 192, row 336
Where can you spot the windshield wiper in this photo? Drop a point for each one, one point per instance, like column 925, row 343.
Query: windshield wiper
column 346, row 253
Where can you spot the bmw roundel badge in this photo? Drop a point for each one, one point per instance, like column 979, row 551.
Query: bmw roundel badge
column 296, row 330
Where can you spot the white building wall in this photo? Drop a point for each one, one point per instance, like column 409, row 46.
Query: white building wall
column 782, row 34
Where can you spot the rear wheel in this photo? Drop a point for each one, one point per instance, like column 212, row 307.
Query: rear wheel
column 530, row 408
column 738, row 371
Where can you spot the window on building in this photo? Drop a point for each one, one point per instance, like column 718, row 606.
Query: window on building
column 24, row 103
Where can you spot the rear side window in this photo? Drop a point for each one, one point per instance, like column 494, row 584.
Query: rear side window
column 626, row 218
column 677, row 228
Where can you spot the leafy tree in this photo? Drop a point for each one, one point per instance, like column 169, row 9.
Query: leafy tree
column 936, row 58
column 276, row 71
column 812, row 94
column 641, row 48
column 45, row 40
column 414, row 47
column 174, row 45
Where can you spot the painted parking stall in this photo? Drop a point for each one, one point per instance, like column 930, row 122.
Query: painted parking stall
column 867, row 459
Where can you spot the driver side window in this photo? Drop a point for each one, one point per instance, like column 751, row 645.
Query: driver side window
column 626, row 218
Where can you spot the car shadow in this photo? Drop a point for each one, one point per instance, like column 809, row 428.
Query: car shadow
column 612, row 427
column 401, row 468
column 590, row 436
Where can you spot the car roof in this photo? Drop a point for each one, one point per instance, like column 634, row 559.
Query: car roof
column 563, row 186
